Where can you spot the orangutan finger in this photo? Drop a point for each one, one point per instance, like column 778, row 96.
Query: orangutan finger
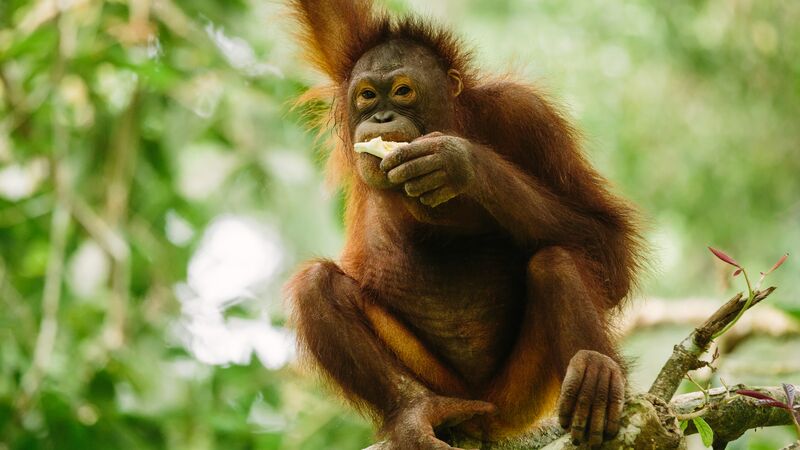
column 580, row 417
column 426, row 183
column 570, row 389
column 597, row 424
column 616, row 401
column 415, row 168
column 405, row 154
column 437, row 197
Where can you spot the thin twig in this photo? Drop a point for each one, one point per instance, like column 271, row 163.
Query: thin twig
column 704, row 390
column 45, row 341
column 692, row 415
column 108, row 239
column 121, row 167
column 59, row 228
column 14, row 304
column 17, row 108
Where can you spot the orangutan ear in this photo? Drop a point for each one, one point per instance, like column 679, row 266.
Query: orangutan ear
column 455, row 79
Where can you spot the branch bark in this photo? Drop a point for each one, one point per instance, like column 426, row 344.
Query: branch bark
column 729, row 414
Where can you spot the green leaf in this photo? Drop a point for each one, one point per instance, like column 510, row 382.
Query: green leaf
column 706, row 433
column 684, row 424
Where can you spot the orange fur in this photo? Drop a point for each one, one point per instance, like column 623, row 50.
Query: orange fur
column 413, row 354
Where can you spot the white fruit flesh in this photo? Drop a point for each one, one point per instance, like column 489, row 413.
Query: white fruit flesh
column 377, row 147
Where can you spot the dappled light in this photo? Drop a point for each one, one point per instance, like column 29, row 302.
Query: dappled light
column 236, row 256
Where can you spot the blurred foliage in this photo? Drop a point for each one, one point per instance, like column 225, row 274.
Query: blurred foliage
column 127, row 127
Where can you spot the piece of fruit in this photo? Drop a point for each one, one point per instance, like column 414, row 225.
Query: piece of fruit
column 377, row 147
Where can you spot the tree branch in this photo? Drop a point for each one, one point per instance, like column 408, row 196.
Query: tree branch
column 650, row 423
column 686, row 355
column 730, row 414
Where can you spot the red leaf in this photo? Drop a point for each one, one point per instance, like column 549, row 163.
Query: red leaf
column 737, row 272
column 754, row 394
column 773, row 403
column 721, row 255
column 790, row 394
column 778, row 264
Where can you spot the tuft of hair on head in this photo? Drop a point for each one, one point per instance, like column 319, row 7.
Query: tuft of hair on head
column 332, row 31
column 334, row 34
column 452, row 52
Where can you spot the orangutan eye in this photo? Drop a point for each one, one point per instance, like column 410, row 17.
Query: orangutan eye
column 402, row 91
column 367, row 94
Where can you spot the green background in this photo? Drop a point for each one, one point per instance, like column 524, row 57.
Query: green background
column 157, row 188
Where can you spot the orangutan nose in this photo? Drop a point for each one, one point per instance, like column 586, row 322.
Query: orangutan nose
column 383, row 116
